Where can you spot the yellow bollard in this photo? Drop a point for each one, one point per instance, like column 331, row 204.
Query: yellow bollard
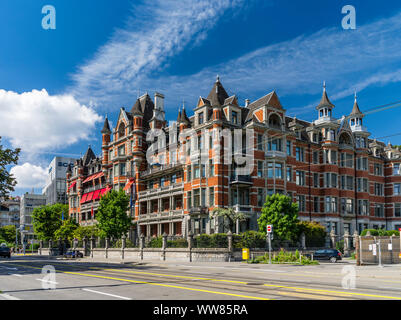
column 245, row 254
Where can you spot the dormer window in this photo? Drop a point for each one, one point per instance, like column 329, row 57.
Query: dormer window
column 200, row 118
column 234, row 117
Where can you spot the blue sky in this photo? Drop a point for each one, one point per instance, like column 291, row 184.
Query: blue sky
column 57, row 85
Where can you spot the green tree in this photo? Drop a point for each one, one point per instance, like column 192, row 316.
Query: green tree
column 282, row 213
column 112, row 217
column 86, row 231
column 7, row 181
column 66, row 230
column 47, row 220
column 230, row 216
column 7, row 233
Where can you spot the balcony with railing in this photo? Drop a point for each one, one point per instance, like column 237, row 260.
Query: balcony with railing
column 276, row 154
column 240, row 179
column 161, row 169
column 152, row 192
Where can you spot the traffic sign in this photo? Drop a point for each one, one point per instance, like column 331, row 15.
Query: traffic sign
column 269, row 228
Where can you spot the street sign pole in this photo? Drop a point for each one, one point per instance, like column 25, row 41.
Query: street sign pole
column 269, row 230
column 270, row 249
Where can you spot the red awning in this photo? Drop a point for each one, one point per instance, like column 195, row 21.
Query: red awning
column 83, row 199
column 94, row 176
column 96, row 194
column 90, row 196
column 72, row 185
column 129, row 184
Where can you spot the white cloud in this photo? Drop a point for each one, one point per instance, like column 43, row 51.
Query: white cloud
column 29, row 176
column 156, row 31
column 36, row 121
column 346, row 59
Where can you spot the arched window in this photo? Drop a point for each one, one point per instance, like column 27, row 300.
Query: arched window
column 345, row 139
column 275, row 121
column 121, row 130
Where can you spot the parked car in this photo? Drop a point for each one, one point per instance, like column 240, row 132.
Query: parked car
column 5, row 252
column 331, row 255
column 73, row 254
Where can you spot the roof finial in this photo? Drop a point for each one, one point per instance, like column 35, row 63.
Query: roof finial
column 355, row 96
column 217, row 78
column 324, row 85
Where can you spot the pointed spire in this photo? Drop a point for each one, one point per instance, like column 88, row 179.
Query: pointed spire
column 179, row 115
column 325, row 101
column 218, row 94
column 355, row 110
column 89, row 155
column 137, row 109
column 184, row 117
column 106, row 126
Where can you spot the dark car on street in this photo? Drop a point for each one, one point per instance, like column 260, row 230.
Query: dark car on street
column 5, row 252
column 73, row 254
column 331, row 255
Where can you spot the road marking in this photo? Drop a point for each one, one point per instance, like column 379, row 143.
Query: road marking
column 332, row 291
column 47, row 281
column 231, row 268
column 14, row 274
column 305, row 296
column 154, row 284
column 174, row 276
column 8, row 297
column 321, row 291
column 9, row 268
column 107, row 294
column 165, row 285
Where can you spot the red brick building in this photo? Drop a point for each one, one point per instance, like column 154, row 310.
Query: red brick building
column 338, row 175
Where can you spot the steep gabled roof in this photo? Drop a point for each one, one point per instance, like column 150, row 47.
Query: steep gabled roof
column 89, row 155
column 137, row 109
column 144, row 105
column 106, row 127
column 217, row 95
column 257, row 104
column 231, row 100
column 184, row 117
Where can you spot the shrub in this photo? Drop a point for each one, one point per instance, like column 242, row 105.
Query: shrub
column 315, row 233
column 218, row 240
column 391, row 232
column 178, row 243
column 119, row 243
column 373, row 232
column 285, row 257
column 155, row 242
column 250, row 239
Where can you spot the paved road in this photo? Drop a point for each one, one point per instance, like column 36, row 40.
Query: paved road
column 22, row 278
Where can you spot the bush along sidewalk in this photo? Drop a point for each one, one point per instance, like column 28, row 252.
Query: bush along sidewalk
column 284, row 257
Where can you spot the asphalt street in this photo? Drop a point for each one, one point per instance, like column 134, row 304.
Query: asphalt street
column 23, row 278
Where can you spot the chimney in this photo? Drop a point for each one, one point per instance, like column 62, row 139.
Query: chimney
column 159, row 101
column 247, row 103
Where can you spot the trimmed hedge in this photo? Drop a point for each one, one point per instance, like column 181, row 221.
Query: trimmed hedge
column 380, row 232
column 218, row 240
column 249, row 239
column 178, row 243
